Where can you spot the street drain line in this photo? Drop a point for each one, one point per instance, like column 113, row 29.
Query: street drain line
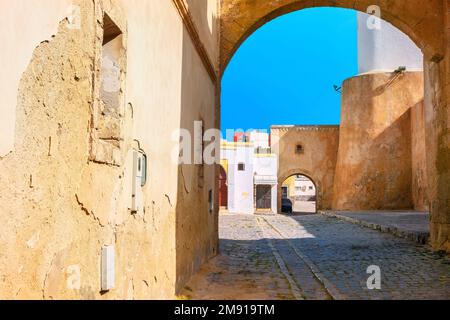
column 296, row 292
column 329, row 287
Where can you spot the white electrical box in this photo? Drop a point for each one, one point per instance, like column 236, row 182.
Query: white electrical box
column 138, row 177
column 108, row 268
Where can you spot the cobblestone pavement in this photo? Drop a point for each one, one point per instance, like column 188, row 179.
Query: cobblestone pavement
column 245, row 269
column 316, row 257
column 412, row 225
column 413, row 221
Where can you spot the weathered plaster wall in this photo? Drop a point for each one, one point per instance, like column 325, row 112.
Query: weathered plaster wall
column 44, row 228
column 57, row 207
column 318, row 160
column 374, row 167
column 41, row 23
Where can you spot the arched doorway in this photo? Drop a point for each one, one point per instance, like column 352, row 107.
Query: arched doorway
column 298, row 195
column 251, row 15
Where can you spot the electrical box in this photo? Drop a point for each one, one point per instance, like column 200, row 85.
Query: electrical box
column 139, row 168
column 108, row 268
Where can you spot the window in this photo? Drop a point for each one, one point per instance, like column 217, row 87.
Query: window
column 107, row 134
column 261, row 150
column 112, row 69
column 241, row 167
column 310, row 188
column 299, row 149
column 110, row 29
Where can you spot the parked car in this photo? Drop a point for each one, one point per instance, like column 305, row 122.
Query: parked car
column 286, row 206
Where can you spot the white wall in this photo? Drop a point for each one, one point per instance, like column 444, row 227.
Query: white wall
column 275, row 198
column 240, row 183
column 386, row 48
column 266, row 166
column 259, row 139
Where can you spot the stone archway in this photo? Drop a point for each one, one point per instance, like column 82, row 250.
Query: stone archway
column 427, row 23
column 240, row 18
column 318, row 185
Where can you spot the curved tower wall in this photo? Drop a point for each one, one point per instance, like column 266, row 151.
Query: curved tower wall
column 381, row 158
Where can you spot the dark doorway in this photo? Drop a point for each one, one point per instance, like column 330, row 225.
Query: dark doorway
column 263, row 197
column 223, row 189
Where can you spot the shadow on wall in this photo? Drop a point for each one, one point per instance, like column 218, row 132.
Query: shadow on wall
column 205, row 17
column 196, row 221
column 381, row 162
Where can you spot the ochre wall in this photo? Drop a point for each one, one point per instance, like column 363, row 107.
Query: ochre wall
column 377, row 158
column 318, row 160
column 374, row 167
column 419, row 159
column 57, row 206
column 196, row 227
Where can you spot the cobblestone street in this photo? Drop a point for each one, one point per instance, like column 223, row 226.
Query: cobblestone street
column 316, row 257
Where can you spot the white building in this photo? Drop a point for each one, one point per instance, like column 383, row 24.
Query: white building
column 251, row 174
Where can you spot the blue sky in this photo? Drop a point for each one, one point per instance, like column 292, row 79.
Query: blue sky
column 285, row 72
